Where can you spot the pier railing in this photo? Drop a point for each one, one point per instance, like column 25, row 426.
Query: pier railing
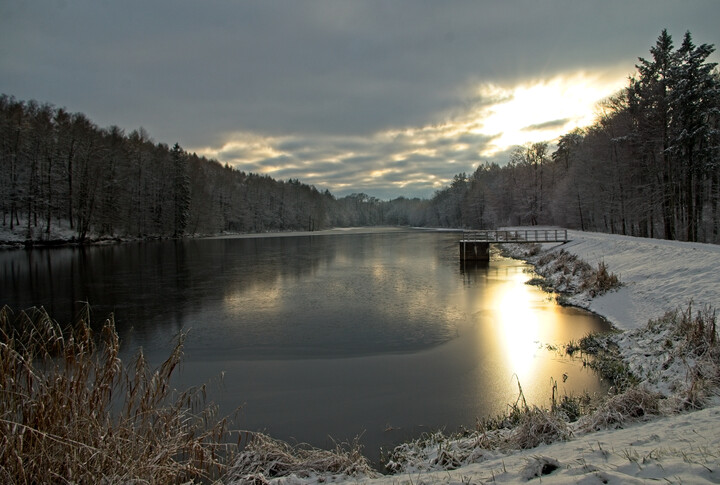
column 517, row 236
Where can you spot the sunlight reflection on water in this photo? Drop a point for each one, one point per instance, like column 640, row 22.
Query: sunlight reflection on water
column 518, row 326
column 323, row 336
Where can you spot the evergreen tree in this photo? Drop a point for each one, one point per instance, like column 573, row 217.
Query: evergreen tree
column 649, row 103
column 694, row 105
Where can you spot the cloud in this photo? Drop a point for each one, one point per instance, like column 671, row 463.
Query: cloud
column 418, row 160
column 548, row 125
column 411, row 161
column 326, row 89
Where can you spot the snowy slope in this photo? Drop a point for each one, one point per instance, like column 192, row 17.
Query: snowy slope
column 657, row 275
column 679, row 449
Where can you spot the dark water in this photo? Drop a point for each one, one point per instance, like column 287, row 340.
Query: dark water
column 378, row 333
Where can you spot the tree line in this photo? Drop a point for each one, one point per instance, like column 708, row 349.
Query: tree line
column 649, row 166
column 58, row 169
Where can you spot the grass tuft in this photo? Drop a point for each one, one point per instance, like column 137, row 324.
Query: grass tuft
column 635, row 403
column 698, row 349
column 538, row 426
column 600, row 281
column 565, row 272
column 264, row 458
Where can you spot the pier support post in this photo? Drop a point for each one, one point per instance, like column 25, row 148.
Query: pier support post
column 474, row 251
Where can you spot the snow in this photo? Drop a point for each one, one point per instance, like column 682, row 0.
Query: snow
column 657, row 276
column 683, row 448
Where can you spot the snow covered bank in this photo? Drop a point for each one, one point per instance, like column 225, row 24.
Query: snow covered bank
column 683, row 448
column 658, row 277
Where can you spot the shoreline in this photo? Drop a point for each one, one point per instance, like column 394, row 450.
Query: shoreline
column 659, row 443
column 58, row 241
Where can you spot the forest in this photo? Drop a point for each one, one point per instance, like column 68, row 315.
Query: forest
column 649, row 166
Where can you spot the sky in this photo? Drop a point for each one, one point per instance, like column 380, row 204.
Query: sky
column 387, row 97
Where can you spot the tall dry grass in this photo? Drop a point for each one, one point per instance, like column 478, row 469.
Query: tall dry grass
column 70, row 412
column 699, row 349
column 628, row 406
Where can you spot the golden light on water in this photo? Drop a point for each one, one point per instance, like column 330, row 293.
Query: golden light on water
column 518, row 326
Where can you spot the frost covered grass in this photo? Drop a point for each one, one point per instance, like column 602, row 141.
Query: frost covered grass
column 521, row 427
column 565, row 272
column 680, row 355
column 266, row 458
column 602, row 354
column 70, row 412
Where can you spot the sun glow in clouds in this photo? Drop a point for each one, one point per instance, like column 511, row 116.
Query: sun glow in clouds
column 542, row 110
column 424, row 158
column 246, row 147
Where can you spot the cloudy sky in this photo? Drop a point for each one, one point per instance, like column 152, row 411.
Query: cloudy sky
column 386, row 97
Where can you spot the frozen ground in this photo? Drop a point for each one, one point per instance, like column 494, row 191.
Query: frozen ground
column 657, row 276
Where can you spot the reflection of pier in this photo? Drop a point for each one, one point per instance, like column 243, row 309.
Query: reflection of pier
column 475, row 245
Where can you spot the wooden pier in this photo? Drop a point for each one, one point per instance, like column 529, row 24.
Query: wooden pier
column 475, row 245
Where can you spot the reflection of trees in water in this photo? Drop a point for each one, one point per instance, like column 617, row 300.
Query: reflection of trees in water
column 329, row 295
column 152, row 283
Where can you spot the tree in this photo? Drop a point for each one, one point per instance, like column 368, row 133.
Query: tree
column 180, row 190
column 694, row 103
column 529, row 162
column 649, row 103
column 566, row 156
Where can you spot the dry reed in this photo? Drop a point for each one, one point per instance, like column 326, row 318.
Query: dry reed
column 70, row 412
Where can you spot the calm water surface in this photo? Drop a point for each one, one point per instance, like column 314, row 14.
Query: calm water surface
column 376, row 333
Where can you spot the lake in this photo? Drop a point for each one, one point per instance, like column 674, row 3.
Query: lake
column 378, row 333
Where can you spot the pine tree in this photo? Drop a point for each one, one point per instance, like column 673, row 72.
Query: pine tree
column 694, row 103
column 649, row 103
